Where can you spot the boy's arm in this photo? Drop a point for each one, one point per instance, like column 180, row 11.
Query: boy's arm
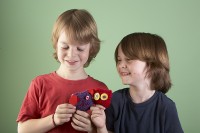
column 36, row 125
column 62, row 114
column 98, row 118
column 102, row 130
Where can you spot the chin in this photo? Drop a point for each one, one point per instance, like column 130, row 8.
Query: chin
column 125, row 82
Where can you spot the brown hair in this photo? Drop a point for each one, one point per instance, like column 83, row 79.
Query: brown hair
column 80, row 26
column 151, row 49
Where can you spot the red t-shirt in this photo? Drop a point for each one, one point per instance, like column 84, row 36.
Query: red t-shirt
column 47, row 91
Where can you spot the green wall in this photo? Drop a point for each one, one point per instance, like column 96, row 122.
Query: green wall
column 26, row 51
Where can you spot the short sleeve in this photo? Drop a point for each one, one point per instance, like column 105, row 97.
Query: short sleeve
column 172, row 123
column 30, row 105
column 110, row 118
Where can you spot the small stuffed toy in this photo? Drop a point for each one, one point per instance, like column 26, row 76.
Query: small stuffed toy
column 102, row 97
column 84, row 100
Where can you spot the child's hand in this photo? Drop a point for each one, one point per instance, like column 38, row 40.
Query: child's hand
column 63, row 113
column 81, row 121
column 98, row 116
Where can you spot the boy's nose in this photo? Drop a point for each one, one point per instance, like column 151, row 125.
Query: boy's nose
column 72, row 52
column 122, row 65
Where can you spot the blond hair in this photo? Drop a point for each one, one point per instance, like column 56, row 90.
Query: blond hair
column 79, row 26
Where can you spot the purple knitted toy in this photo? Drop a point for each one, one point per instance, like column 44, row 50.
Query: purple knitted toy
column 82, row 100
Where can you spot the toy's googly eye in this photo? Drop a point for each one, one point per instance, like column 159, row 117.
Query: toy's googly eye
column 104, row 96
column 87, row 97
column 96, row 96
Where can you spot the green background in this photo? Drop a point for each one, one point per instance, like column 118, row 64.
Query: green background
column 26, row 48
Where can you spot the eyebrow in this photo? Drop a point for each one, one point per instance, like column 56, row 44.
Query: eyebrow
column 63, row 42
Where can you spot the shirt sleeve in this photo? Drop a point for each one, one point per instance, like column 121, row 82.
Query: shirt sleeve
column 110, row 118
column 172, row 123
column 30, row 105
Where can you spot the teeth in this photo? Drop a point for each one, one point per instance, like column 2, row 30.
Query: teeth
column 71, row 61
column 125, row 74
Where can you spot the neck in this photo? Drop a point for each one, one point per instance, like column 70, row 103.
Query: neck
column 72, row 75
column 140, row 95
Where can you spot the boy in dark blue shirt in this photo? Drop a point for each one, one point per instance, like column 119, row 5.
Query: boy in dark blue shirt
column 142, row 63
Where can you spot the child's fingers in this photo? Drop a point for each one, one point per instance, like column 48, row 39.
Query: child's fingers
column 82, row 113
column 65, row 109
column 100, row 106
column 66, row 105
column 97, row 107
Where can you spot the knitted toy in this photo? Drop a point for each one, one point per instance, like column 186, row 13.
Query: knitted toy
column 102, row 97
column 84, row 100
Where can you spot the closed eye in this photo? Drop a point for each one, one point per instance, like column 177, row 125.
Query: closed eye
column 128, row 60
column 80, row 49
column 65, row 48
column 118, row 59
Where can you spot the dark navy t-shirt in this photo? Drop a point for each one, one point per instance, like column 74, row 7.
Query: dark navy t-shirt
column 157, row 115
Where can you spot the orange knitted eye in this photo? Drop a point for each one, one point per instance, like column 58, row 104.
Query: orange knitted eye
column 104, row 96
column 96, row 96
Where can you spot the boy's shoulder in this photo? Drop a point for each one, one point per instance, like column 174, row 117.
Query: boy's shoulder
column 164, row 99
column 43, row 77
column 96, row 82
column 122, row 91
column 120, row 94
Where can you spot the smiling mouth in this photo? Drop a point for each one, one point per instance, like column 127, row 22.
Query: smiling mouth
column 71, row 62
column 124, row 73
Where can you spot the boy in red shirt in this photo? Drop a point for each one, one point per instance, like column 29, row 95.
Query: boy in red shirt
column 45, row 107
